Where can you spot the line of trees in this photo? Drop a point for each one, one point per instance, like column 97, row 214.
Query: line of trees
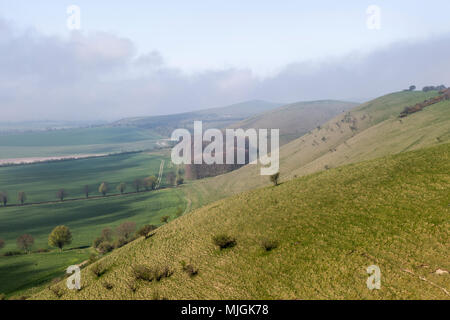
column 139, row 184
column 58, row 238
column 4, row 198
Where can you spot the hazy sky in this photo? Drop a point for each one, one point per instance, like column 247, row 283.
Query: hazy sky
column 157, row 57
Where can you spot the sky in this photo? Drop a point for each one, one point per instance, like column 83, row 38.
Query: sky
column 159, row 57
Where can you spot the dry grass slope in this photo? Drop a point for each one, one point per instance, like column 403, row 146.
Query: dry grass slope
column 366, row 132
column 330, row 226
column 295, row 120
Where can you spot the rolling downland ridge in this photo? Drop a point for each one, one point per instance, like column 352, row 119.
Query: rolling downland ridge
column 371, row 130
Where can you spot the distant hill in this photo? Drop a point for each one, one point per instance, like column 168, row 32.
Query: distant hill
column 324, row 230
column 212, row 118
column 373, row 129
column 295, row 120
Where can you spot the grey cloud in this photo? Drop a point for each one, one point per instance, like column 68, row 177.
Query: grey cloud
column 100, row 76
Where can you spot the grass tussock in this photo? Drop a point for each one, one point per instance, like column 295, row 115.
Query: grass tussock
column 189, row 269
column 107, row 285
column 269, row 245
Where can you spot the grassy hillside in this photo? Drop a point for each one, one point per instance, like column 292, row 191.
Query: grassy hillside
column 75, row 141
column 212, row 118
column 366, row 132
column 85, row 218
column 295, row 120
column 330, row 226
column 41, row 181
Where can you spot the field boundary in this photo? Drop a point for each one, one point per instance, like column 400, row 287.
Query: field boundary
column 82, row 199
column 161, row 169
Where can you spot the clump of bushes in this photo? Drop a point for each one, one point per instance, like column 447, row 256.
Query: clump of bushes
column 120, row 242
column 124, row 233
column 2, row 296
column 274, row 178
column 98, row 270
column 224, row 241
column 142, row 272
column 189, row 269
column 162, row 272
column 105, row 247
column 145, row 231
column 269, row 245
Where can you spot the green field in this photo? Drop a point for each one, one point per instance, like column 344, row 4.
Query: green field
column 25, row 274
column 85, row 218
column 329, row 227
column 76, row 141
column 41, row 181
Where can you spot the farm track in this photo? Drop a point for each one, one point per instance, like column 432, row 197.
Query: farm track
column 161, row 170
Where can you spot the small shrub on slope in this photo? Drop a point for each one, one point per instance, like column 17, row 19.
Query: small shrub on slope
column 269, row 245
column 98, row 270
column 224, row 241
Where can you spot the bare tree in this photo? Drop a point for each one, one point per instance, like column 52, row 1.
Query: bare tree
column 61, row 194
column 107, row 234
column 4, row 198
column 121, row 187
column 25, row 242
column 150, row 183
column 126, row 229
column 22, row 197
column 86, row 191
column 137, row 183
